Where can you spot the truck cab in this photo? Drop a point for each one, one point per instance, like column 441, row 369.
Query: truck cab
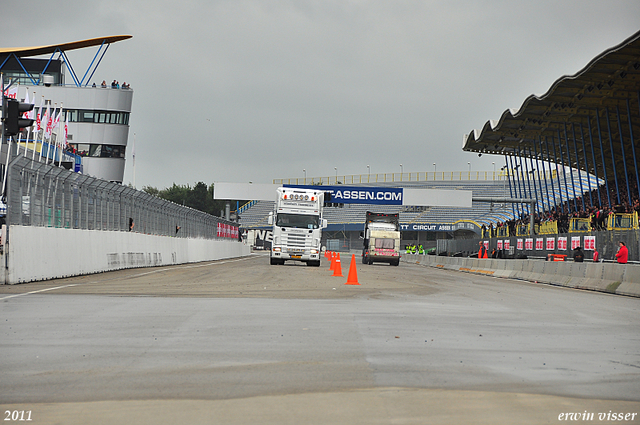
column 297, row 226
column 381, row 237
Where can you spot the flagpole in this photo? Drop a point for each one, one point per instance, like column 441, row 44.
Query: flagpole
column 134, row 160
column 57, row 123
column 4, row 180
column 35, row 138
column 33, row 133
column 42, row 141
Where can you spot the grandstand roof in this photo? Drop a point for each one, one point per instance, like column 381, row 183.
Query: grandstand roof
column 52, row 48
column 598, row 106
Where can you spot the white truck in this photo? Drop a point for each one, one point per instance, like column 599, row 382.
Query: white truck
column 381, row 239
column 297, row 226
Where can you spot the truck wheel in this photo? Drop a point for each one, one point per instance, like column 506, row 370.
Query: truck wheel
column 396, row 263
column 273, row 261
column 313, row 263
column 365, row 260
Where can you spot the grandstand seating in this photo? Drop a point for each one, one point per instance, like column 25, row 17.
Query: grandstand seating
column 255, row 214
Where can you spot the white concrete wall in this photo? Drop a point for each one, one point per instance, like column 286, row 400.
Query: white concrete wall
column 40, row 253
column 621, row 279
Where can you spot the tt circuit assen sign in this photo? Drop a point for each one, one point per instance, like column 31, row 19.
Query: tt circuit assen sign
column 361, row 195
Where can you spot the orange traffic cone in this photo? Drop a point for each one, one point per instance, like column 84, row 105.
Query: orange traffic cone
column 333, row 261
column 353, row 273
column 337, row 269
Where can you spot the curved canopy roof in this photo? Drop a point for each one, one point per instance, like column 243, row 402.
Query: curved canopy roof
column 597, row 106
column 52, row 48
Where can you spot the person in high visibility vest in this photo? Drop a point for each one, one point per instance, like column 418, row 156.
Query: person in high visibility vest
column 420, row 249
column 482, row 251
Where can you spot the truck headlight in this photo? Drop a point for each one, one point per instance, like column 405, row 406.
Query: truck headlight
column 276, row 249
column 314, row 251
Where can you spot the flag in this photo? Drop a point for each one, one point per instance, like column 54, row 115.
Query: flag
column 66, row 130
column 49, row 123
column 32, row 113
column 39, row 116
column 56, row 120
column 11, row 92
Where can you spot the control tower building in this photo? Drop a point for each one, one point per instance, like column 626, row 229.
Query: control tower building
column 97, row 114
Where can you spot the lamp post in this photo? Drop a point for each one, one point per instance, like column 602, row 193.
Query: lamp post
column 401, row 172
column 494, row 170
column 305, row 175
column 336, row 168
column 369, row 173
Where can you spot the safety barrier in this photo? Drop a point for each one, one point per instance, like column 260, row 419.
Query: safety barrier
column 620, row 279
column 43, row 195
column 579, row 225
column 30, row 253
column 622, row 221
column 548, row 228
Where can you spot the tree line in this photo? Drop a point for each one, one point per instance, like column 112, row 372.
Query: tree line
column 199, row 197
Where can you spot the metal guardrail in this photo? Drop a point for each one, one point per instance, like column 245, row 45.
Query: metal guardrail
column 423, row 176
column 44, row 195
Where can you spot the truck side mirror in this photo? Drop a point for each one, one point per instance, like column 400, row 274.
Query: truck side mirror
column 361, row 235
column 270, row 219
column 324, row 223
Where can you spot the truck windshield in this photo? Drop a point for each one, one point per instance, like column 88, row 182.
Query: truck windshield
column 298, row 221
column 385, row 243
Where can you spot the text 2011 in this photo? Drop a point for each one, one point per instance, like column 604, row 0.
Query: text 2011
column 17, row 415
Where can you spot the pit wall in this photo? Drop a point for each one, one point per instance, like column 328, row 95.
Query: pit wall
column 621, row 279
column 41, row 253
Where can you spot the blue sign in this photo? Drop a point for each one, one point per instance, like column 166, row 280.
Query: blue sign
column 439, row 227
column 359, row 194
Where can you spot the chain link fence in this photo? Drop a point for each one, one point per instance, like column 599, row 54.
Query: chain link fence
column 44, row 195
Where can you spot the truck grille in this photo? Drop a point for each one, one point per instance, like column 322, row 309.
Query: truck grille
column 296, row 242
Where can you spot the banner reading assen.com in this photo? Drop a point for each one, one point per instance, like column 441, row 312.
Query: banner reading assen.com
column 360, row 195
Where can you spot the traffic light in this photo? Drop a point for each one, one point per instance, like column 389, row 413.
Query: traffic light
column 13, row 120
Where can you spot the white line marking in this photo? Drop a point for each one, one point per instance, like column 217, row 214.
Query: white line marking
column 129, row 277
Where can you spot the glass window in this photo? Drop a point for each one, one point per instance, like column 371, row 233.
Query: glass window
column 95, row 150
column 87, row 116
column 107, row 151
column 384, row 243
column 82, row 149
column 102, row 117
column 300, row 221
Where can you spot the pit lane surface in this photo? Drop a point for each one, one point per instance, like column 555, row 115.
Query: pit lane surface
column 239, row 341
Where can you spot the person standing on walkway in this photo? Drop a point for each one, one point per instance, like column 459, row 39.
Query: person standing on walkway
column 623, row 253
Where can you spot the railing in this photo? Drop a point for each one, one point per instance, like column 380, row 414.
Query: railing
column 45, row 195
column 622, row 221
column 577, row 225
column 522, row 230
column 548, row 228
column 423, row 176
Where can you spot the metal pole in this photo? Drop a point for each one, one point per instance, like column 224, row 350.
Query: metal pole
column 633, row 143
column 624, row 161
column 575, row 148
column 604, row 165
column 553, row 189
column 595, row 166
column 546, row 187
column 613, row 159
column 586, row 165
column 573, row 183
column 506, row 165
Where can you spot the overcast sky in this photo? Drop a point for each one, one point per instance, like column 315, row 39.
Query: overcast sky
column 248, row 90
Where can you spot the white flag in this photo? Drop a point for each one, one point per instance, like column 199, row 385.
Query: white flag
column 49, row 123
column 39, row 116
